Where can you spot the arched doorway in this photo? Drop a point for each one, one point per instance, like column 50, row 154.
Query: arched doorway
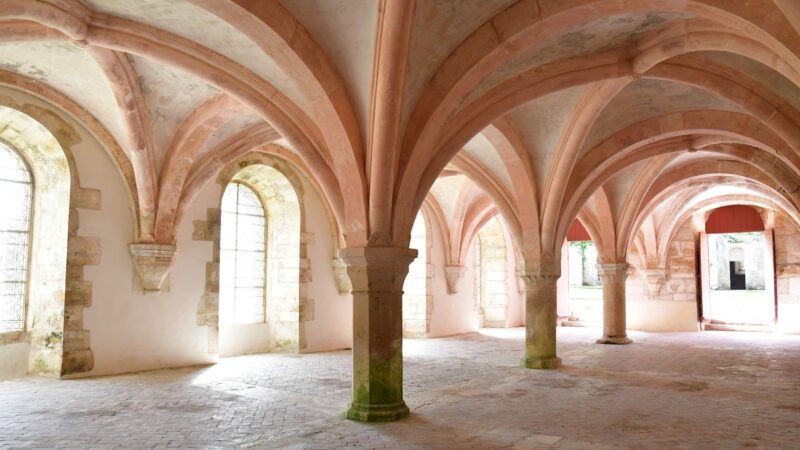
column 737, row 269
column 582, row 299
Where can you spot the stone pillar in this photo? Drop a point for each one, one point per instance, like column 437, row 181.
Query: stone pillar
column 540, row 321
column 614, row 276
column 377, row 275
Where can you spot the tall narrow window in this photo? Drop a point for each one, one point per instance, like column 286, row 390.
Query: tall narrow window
column 15, row 214
column 242, row 293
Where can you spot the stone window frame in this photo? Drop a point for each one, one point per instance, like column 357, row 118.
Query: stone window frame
column 65, row 349
column 209, row 230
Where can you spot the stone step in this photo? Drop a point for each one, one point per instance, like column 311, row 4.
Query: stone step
column 722, row 326
column 579, row 323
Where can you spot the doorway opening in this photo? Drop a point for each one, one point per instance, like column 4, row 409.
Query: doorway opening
column 584, row 285
column 738, row 276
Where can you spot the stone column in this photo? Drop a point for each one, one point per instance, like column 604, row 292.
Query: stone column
column 540, row 321
column 614, row 276
column 377, row 275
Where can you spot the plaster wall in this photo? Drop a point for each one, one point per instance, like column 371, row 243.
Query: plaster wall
column 452, row 313
column 130, row 330
column 331, row 326
column 648, row 315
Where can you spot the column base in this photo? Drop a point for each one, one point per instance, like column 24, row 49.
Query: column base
column 377, row 413
column 614, row 340
column 541, row 363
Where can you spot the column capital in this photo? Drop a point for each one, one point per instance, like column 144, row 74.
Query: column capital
column 615, row 269
column 614, row 266
column 536, row 277
column 361, row 256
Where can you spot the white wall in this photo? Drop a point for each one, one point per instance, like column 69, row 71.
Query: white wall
column 129, row 330
column 452, row 313
column 516, row 299
column 332, row 327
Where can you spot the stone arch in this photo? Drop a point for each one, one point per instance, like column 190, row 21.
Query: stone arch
column 52, row 342
column 280, row 190
column 674, row 181
column 670, row 227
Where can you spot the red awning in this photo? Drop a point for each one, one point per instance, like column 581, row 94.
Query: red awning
column 577, row 232
column 734, row 219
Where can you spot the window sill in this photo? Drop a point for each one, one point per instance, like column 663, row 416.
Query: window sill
column 15, row 337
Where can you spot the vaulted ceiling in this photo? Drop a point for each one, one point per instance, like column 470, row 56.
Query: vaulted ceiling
column 553, row 109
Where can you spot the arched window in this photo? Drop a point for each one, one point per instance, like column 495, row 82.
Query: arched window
column 15, row 215
column 242, row 290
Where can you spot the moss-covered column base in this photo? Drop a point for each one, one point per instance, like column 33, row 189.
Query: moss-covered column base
column 377, row 275
column 614, row 276
column 540, row 321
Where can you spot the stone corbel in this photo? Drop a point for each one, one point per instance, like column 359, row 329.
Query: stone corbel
column 655, row 279
column 453, row 274
column 341, row 277
column 153, row 263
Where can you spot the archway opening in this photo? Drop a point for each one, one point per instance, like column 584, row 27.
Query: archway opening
column 417, row 299
column 739, row 273
column 491, row 284
column 584, row 299
column 259, row 275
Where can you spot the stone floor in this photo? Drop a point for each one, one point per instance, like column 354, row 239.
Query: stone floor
column 668, row 390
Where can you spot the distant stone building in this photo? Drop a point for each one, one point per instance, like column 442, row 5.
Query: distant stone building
column 739, row 255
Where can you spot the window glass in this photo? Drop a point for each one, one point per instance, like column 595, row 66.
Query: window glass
column 15, row 191
column 242, row 257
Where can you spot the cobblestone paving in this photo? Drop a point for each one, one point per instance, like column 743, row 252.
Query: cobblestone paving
column 669, row 390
